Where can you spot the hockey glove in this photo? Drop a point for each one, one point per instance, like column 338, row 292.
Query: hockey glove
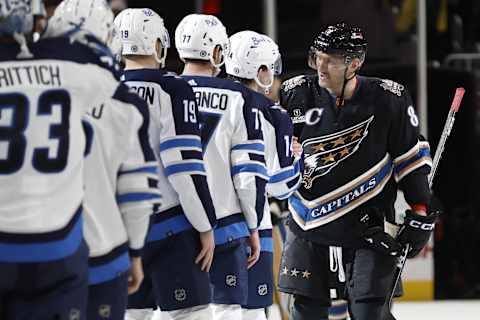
column 416, row 231
column 374, row 235
column 378, row 240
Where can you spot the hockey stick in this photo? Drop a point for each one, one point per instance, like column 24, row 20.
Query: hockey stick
column 447, row 129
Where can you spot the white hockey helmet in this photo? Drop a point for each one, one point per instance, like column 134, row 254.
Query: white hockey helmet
column 197, row 35
column 94, row 16
column 249, row 52
column 139, row 31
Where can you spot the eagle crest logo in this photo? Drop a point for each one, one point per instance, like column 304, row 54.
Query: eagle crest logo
column 324, row 153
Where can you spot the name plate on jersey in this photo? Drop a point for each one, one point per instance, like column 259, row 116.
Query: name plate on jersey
column 335, row 204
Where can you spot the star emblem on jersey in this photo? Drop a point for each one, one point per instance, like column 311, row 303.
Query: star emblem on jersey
column 294, row 272
column 285, row 271
column 324, row 153
column 306, row 274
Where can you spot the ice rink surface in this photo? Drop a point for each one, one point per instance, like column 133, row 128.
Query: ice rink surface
column 438, row 310
column 432, row 310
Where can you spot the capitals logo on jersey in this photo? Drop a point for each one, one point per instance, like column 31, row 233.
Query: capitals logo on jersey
column 324, row 153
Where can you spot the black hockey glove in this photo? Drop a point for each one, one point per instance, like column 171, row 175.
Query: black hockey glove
column 374, row 235
column 416, row 231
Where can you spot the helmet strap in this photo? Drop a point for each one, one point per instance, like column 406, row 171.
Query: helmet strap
column 265, row 87
column 161, row 56
column 217, row 66
column 340, row 101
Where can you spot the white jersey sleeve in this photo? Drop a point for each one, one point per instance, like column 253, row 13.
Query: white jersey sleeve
column 284, row 169
column 249, row 170
column 176, row 136
column 137, row 185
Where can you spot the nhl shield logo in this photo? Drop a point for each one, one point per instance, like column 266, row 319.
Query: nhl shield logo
column 262, row 289
column 104, row 311
column 231, row 280
column 180, row 294
column 74, row 314
column 324, row 153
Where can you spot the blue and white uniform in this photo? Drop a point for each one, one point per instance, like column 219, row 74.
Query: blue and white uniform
column 284, row 172
column 42, row 144
column 172, row 242
column 121, row 192
column 234, row 152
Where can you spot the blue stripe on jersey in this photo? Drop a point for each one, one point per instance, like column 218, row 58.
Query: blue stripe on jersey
column 108, row 271
column 43, row 252
column 285, row 175
column 295, row 186
column 169, row 227
column 137, row 196
column 423, row 152
column 249, row 167
column 181, row 143
column 184, row 167
column 231, row 232
column 250, row 147
column 149, row 169
column 266, row 244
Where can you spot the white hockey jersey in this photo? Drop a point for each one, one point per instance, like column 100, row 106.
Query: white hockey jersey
column 234, row 154
column 284, row 170
column 42, row 145
column 121, row 183
column 175, row 137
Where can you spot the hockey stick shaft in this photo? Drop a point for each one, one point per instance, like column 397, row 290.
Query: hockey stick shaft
column 447, row 129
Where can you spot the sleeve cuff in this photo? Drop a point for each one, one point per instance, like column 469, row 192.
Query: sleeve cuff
column 135, row 252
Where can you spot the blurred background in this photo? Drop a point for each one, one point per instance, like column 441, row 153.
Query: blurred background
column 430, row 46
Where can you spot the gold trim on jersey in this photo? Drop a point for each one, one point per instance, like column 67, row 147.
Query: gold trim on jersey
column 337, row 203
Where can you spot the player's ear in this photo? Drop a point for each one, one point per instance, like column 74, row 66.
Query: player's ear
column 356, row 64
column 217, row 54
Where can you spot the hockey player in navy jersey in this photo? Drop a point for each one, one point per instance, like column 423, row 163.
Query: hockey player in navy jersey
column 361, row 143
column 234, row 154
column 180, row 243
column 45, row 89
column 254, row 60
column 120, row 175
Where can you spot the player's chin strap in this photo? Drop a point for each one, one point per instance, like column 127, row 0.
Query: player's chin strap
column 24, row 51
column 216, row 66
column 340, row 101
column 161, row 56
column 265, row 87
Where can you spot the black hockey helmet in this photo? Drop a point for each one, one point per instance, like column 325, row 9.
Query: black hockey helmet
column 340, row 38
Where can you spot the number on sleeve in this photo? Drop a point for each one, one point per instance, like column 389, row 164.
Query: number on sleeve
column 189, row 114
column 413, row 116
column 288, row 146
column 257, row 118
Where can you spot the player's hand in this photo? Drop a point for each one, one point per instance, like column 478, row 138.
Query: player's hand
column 205, row 257
column 296, row 147
column 254, row 243
column 135, row 274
